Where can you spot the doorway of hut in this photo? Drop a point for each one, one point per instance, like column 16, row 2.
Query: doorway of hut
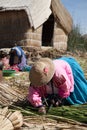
column 48, row 32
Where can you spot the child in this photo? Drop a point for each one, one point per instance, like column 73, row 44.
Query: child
column 4, row 58
column 61, row 81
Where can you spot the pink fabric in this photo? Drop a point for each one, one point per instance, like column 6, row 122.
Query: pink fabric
column 14, row 67
column 62, row 68
column 5, row 61
column 63, row 80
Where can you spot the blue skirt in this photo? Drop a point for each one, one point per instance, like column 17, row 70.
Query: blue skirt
column 79, row 95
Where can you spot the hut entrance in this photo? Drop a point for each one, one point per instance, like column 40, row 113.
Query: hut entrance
column 48, row 31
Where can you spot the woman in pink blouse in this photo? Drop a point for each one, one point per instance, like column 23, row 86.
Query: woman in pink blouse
column 59, row 81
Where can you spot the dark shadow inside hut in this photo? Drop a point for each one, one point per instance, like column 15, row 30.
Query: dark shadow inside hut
column 48, row 31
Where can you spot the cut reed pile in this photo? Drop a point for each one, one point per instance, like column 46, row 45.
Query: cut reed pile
column 9, row 95
column 10, row 120
column 14, row 89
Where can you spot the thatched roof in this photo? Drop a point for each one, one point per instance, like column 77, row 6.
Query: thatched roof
column 38, row 11
column 61, row 15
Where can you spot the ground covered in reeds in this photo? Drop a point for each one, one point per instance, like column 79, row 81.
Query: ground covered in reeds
column 65, row 114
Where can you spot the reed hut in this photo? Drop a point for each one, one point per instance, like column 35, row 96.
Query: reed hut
column 34, row 23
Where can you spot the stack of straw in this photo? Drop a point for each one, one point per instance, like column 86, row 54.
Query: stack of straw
column 9, row 120
column 9, row 95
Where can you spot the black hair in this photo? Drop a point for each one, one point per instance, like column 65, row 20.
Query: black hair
column 3, row 54
column 12, row 54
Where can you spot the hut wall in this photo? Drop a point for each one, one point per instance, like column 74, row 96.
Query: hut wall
column 60, row 38
column 34, row 38
column 13, row 28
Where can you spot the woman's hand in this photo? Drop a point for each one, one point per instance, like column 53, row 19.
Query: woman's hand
column 42, row 110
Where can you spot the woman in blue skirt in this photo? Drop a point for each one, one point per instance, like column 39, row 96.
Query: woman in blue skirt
column 60, row 81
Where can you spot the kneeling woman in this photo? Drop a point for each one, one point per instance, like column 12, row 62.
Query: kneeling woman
column 18, row 60
column 62, row 77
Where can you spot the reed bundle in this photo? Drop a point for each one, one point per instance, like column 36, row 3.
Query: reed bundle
column 9, row 120
column 9, row 95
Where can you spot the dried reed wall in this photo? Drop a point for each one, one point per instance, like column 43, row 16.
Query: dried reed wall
column 13, row 26
column 34, row 38
column 60, row 38
column 15, row 29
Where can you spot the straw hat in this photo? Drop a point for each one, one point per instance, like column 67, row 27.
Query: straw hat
column 41, row 72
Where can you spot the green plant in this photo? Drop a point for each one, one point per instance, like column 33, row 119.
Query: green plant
column 76, row 41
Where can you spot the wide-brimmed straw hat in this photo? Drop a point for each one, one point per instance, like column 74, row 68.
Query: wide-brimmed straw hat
column 41, row 72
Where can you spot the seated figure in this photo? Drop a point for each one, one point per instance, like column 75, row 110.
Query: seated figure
column 4, row 58
column 18, row 59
